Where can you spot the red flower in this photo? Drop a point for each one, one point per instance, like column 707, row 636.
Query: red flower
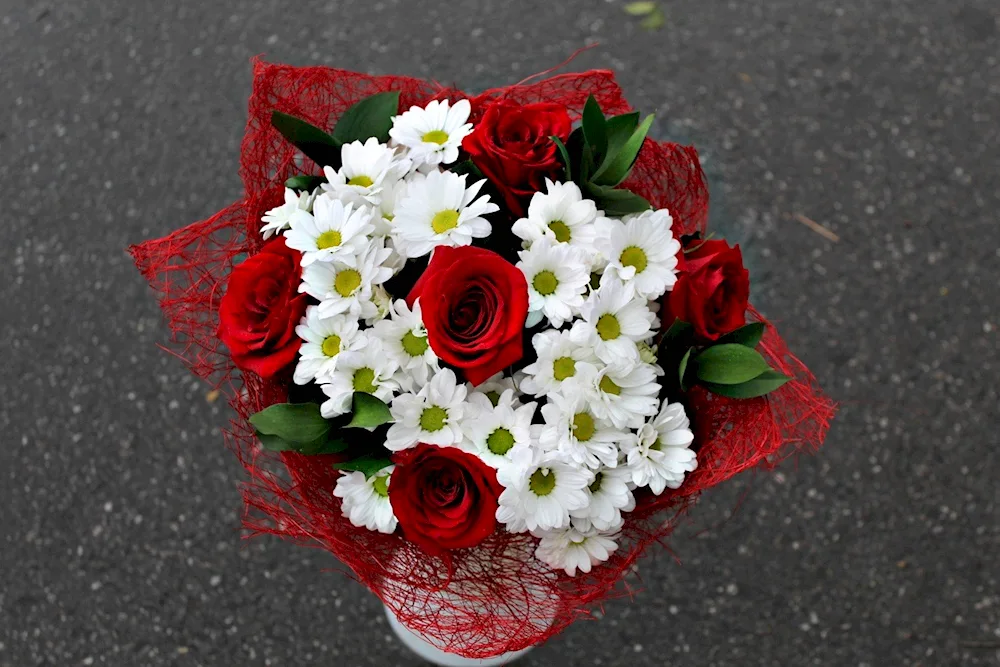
column 444, row 498
column 511, row 146
column 260, row 309
column 712, row 290
column 474, row 303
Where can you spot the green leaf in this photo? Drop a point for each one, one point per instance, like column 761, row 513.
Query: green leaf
column 729, row 363
column 619, row 129
column 593, row 128
column 368, row 412
column 371, row 117
column 640, row 8
column 586, row 163
column 305, row 183
column 564, row 153
column 274, row 443
column 316, row 144
column 679, row 331
column 369, row 465
column 616, row 203
column 763, row 384
column 616, row 168
column 293, row 422
column 747, row 336
column 682, row 367
column 467, row 167
column 323, row 445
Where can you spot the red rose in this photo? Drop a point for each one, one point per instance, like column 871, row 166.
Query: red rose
column 474, row 303
column 444, row 498
column 511, row 146
column 712, row 290
column 260, row 309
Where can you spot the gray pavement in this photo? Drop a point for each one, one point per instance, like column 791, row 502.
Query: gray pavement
column 119, row 515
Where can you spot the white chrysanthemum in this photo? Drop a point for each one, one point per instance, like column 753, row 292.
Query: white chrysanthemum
column 277, row 219
column 607, row 497
column 390, row 197
column 433, row 134
column 625, row 394
column 323, row 340
column 500, row 435
column 382, row 302
column 366, row 500
column 369, row 370
column 495, row 386
column 562, row 215
column 557, row 277
column 613, row 320
column 334, row 232
column 432, row 416
column 660, row 455
column 405, row 339
column 541, row 495
column 571, row 550
column 560, row 362
column 440, row 210
column 640, row 251
column 364, row 171
column 345, row 288
column 573, row 429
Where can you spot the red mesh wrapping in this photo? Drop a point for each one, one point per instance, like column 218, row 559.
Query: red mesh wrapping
column 494, row 598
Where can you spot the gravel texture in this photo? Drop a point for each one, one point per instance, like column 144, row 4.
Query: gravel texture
column 119, row 540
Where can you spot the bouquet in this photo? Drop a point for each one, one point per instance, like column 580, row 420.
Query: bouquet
column 481, row 347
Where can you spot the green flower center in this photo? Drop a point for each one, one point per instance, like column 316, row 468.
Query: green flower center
column 561, row 230
column 433, row 419
column 500, row 441
column 494, row 397
column 608, row 327
column 364, row 380
column 583, row 426
column 413, row 344
column 346, row 282
column 331, row 345
column 656, row 446
column 328, row 239
column 545, row 283
column 381, row 485
column 444, row 220
column 435, row 137
column 362, row 181
column 542, row 482
column 563, row 367
column 608, row 386
column 633, row 256
column 595, row 486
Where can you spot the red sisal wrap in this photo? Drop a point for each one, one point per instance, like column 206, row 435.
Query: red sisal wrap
column 493, row 598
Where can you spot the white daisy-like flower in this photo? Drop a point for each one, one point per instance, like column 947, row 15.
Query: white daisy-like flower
column 382, row 302
column 608, row 496
column 333, row 232
column 557, row 277
column 500, row 435
column 560, row 362
column 404, row 338
column 432, row 416
column 392, row 194
column 570, row 550
column 347, row 288
column 660, row 454
column 440, row 210
column 541, row 495
column 562, row 215
column 494, row 387
column 364, row 171
column 369, row 370
column 640, row 251
column 323, row 340
column 278, row 219
column 613, row 320
column 433, row 134
column 625, row 394
column 573, row 429
column 366, row 500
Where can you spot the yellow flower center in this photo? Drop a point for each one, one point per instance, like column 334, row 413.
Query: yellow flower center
column 414, row 345
column 608, row 386
column 583, row 426
column 443, row 221
column 435, row 137
column 561, row 230
column 364, row 380
column 328, row 239
column 545, row 283
column 346, row 282
column 381, row 486
column 542, row 482
column 563, row 367
column 433, row 418
column 635, row 257
column 500, row 441
column 331, row 345
column 608, row 327
column 361, row 181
